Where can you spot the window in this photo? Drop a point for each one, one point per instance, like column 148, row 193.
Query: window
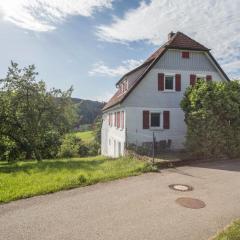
column 155, row 120
column 199, row 78
column 169, row 83
column 185, row 54
column 123, row 87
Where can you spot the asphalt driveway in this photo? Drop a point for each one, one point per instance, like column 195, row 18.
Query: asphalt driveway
column 138, row 208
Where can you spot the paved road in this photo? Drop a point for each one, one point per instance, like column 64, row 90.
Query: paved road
column 138, row 208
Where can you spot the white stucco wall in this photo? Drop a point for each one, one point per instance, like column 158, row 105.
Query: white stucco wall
column 112, row 138
column 137, row 135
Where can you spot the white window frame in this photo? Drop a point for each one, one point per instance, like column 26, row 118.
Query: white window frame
column 203, row 77
column 174, row 87
column 161, row 120
column 121, row 87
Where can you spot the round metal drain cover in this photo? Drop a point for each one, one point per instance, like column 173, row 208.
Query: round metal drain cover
column 181, row 187
column 191, row 203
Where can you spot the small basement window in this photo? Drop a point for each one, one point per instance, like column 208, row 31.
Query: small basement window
column 169, row 83
column 155, row 120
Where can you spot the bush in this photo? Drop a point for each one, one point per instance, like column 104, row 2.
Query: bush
column 9, row 151
column 94, row 148
column 72, row 146
column 212, row 115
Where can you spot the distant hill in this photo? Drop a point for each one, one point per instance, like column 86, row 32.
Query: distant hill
column 87, row 110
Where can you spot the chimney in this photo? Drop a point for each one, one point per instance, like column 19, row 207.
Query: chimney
column 170, row 35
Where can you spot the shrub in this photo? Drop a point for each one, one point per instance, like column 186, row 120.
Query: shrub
column 94, row 148
column 72, row 146
column 212, row 115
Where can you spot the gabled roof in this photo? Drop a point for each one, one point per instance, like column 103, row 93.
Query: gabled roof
column 178, row 41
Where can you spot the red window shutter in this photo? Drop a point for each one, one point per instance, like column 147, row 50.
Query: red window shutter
column 209, row 77
column 178, row 82
column 192, row 79
column 122, row 124
column 166, row 119
column 145, row 119
column 160, row 82
column 118, row 119
column 185, row 54
column 115, row 119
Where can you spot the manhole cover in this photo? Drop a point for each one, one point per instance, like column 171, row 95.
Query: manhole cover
column 190, row 203
column 181, row 187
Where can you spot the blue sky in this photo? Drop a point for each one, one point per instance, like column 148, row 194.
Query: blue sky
column 90, row 43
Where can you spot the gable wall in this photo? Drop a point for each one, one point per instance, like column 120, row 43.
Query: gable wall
column 173, row 60
column 146, row 93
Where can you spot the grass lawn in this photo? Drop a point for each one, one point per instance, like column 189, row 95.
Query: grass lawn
column 26, row 179
column 86, row 136
column 230, row 233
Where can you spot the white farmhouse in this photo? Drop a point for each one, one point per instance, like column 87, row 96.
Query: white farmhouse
column 148, row 97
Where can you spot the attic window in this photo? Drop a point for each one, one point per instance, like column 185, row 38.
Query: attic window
column 121, row 88
column 185, row 54
column 124, row 86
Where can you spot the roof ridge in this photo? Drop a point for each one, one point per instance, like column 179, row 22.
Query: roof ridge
column 179, row 34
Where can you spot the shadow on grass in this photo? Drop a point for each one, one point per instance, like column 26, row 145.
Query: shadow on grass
column 51, row 166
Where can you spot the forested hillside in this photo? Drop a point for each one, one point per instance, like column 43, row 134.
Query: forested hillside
column 87, row 110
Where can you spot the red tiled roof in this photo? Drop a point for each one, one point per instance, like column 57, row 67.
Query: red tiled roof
column 182, row 41
column 178, row 41
column 132, row 79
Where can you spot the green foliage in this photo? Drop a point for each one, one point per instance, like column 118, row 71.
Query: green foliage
column 97, row 130
column 32, row 119
column 86, row 136
column 70, row 146
column 30, row 178
column 73, row 146
column 212, row 115
column 87, row 111
column 230, row 233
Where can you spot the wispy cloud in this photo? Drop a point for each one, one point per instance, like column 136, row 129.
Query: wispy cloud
column 44, row 15
column 102, row 69
column 215, row 23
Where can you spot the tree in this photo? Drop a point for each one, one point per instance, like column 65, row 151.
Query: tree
column 32, row 118
column 97, row 129
column 212, row 115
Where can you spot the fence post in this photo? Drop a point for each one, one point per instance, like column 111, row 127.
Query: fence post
column 126, row 144
column 153, row 149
